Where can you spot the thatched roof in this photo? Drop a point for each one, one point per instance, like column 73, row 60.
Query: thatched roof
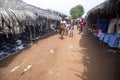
column 17, row 10
column 52, row 15
column 58, row 13
column 39, row 11
column 106, row 10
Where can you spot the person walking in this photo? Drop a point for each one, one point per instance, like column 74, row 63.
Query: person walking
column 81, row 25
column 62, row 29
column 71, row 28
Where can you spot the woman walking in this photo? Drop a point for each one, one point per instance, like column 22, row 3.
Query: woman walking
column 81, row 25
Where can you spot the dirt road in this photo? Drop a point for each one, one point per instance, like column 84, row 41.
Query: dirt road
column 80, row 57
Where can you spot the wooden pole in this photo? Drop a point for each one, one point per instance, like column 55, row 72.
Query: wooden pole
column 30, row 34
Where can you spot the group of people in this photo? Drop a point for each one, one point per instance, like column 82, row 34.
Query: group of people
column 67, row 27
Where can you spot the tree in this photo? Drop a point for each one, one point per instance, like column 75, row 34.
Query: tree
column 77, row 11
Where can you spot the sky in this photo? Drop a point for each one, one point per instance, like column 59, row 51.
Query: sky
column 64, row 6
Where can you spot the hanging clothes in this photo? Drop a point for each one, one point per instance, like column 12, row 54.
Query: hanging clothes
column 6, row 32
column 113, row 40
column 99, row 32
column 118, row 27
column 103, row 26
column 113, row 23
column 99, row 25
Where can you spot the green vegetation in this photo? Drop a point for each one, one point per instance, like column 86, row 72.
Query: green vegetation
column 77, row 11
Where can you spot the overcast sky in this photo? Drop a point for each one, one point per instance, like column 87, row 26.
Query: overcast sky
column 64, row 6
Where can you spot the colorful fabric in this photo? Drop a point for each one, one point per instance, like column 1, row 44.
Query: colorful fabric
column 103, row 26
column 99, row 32
column 81, row 24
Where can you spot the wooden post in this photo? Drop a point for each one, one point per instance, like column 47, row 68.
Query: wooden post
column 30, row 34
column 2, row 22
column 34, row 29
column 13, row 24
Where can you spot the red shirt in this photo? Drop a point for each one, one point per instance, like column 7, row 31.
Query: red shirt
column 81, row 23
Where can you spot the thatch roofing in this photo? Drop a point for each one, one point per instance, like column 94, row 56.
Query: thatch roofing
column 39, row 11
column 58, row 13
column 106, row 10
column 18, row 10
column 52, row 15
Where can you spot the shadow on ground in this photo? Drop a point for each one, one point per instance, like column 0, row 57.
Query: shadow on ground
column 100, row 61
column 5, row 62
